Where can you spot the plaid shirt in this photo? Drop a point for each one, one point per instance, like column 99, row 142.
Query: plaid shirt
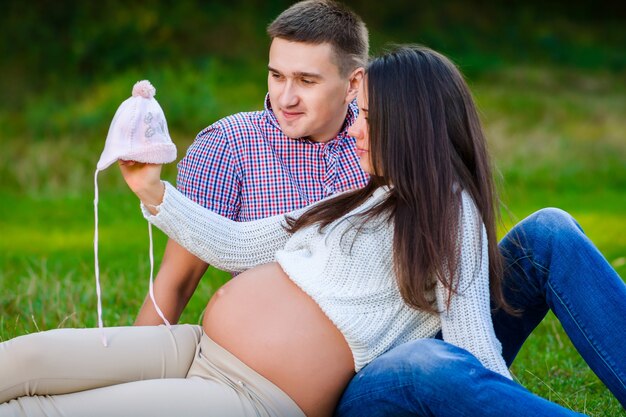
column 243, row 167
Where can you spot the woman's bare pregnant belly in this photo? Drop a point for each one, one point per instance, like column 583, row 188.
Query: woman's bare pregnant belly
column 274, row 327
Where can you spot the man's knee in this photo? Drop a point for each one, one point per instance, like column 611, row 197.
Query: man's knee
column 540, row 233
column 551, row 221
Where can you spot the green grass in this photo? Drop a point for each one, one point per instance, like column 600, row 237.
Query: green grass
column 550, row 366
column 557, row 140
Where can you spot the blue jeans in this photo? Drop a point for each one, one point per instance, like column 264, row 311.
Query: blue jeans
column 550, row 264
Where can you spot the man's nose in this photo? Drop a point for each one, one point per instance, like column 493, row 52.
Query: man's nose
column 288, row 97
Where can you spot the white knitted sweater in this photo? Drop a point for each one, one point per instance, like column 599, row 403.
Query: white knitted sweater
column 349, row 275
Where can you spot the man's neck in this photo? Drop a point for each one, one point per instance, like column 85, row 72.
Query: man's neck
column 338, row 127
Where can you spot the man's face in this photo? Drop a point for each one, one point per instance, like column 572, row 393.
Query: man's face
column 307, row 93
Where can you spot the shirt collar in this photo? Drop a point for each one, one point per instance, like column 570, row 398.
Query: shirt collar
column 351, row 115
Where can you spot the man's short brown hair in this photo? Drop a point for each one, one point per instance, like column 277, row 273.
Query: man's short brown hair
column 320, row 21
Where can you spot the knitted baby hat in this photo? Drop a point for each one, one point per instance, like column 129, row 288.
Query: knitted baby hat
column 138, row 133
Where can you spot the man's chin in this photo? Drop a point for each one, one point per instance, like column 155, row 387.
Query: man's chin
column 295, row 133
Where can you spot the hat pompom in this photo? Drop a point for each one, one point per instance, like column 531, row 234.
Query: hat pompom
column 144, row 89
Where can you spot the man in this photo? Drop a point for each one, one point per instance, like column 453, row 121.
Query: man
column 296, row 151
column 293, row 153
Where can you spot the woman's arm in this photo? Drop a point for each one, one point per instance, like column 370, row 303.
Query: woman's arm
column 226, row 244
column 221, row 242
column 467, row 322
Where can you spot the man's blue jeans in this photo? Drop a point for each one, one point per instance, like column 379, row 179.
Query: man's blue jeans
column 550, row 264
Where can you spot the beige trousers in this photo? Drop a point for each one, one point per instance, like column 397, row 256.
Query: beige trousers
column 144, row 371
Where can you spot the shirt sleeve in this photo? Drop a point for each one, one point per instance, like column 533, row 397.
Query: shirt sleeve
column 467, row 322
column 226, row 244
column 209, row 174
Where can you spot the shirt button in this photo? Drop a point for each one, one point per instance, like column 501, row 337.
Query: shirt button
column 328, row 189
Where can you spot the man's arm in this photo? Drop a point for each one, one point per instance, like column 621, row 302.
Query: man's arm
column 175, row 283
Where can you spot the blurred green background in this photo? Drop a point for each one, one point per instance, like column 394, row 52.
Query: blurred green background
column 549, row 79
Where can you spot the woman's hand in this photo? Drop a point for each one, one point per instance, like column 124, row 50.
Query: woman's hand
column 145, row 181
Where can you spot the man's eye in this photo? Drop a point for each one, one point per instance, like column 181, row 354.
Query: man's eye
column 274, row 75
column 307, row 81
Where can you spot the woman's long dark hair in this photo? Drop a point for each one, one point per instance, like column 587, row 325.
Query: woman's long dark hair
column 426, row 141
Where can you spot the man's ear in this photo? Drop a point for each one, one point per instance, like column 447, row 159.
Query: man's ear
column 356, row 77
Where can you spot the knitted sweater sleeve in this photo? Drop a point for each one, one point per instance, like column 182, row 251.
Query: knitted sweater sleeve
column 226, row 244
column 467, row 322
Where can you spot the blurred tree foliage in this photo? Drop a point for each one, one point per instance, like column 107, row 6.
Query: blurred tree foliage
column 52, row 49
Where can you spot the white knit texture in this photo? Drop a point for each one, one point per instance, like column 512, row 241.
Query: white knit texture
column 349, row 275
